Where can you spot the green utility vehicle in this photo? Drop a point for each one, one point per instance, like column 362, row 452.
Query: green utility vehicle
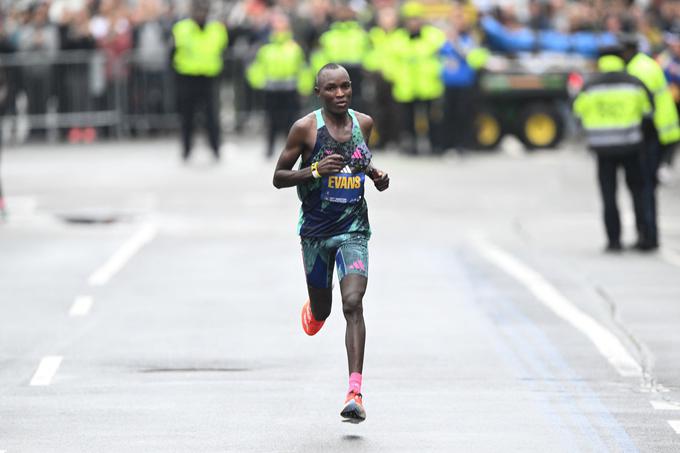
column 527, row 97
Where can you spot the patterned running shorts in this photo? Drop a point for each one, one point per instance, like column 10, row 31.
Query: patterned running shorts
column 348, row 251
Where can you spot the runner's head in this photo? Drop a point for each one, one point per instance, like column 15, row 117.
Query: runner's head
column 333, row 88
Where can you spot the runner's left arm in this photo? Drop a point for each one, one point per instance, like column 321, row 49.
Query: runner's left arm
column 380, row 178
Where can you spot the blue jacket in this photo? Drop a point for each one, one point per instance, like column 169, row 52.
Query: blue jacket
column 456, row 71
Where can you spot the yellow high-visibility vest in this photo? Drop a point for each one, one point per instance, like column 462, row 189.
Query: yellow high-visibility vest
column 650, row 73
column 198, row 51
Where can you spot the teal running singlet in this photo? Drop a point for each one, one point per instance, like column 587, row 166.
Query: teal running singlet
column 335, row 204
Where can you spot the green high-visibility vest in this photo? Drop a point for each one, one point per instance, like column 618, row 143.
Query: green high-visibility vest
column 279, row 65
column 380, row 56
column 665, row 113
column 344, row 43
column 198, row 51
column 417, row 67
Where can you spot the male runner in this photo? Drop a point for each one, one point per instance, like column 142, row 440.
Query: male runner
column 333, row 225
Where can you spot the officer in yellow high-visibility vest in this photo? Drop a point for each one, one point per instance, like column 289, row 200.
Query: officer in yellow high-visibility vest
column 378, row 63
column 417, row 79
column 666, row 131
column 280, row 71
column 612, row 108
column 198, row 59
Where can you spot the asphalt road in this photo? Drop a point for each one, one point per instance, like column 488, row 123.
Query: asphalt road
column 171, row 323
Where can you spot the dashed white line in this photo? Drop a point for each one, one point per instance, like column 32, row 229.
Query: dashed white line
column 605, row 341
column 675, row 424
column 81, row 306
column 665, row 406
column 46, row 370
column 102, row 275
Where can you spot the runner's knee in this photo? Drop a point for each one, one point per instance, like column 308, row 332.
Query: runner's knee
column 352, row 303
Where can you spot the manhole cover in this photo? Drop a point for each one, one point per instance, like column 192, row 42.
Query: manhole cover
column 94, row 217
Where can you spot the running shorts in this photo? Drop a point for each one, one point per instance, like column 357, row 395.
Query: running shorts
column 349, row 252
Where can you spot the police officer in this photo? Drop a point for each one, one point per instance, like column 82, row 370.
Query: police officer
column 378, row 63
column 417, row 80
column 665, row 132
column 611, row 108
column 279, row 69
column 197, row 60
column 669, row 60
column 346, row 43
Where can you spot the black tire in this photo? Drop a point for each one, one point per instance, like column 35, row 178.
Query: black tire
column 540, row 126
column 488, row 129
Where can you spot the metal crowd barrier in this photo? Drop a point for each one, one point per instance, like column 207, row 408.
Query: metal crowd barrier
column 119, row 96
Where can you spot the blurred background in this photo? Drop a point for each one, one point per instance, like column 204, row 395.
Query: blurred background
column 85, row 70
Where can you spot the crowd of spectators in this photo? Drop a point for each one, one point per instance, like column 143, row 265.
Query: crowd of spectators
column 116, row 27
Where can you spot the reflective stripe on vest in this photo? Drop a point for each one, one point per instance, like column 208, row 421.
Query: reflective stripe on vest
column 612, row 114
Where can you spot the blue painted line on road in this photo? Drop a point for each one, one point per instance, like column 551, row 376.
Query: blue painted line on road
column 565, row 438
column 513, row 330
column 526, row 337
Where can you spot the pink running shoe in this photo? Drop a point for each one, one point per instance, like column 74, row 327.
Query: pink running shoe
column 353, row 411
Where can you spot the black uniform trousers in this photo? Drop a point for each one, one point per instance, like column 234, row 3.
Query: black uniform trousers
column 385, row 111
column 641, row 190
column 282, row 108
column 459, row 114
column 430, row 113
column 193, row 94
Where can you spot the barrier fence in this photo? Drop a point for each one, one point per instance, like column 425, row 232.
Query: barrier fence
column 131, row 94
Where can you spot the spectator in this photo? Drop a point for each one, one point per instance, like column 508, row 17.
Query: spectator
column 74, row 95
column 41, row 39
column 149, row 85
column 112, row 30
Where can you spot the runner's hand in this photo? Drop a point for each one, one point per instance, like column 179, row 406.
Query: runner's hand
column 330, row 165
column 380, row 179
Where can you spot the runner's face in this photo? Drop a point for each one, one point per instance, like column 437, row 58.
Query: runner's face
column 335, row 90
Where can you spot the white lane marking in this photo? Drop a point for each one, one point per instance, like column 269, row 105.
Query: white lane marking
column 81, row 306
column 671, row 257
column 665, row 406
column 144, row 235
column 46, row 370
column 675, row 424
column 605, row 341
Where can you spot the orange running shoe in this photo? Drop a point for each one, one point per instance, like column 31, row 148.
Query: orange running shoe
column 310, row 325
column 353, row 411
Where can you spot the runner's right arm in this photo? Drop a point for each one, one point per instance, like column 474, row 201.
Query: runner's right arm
column 296, row 144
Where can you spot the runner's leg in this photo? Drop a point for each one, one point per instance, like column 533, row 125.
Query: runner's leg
column 353, row 288
column 320, row 300
column 318, row 263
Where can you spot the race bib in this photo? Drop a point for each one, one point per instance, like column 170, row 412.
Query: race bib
column 347, row 188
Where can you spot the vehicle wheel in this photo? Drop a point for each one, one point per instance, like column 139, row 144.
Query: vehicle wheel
column 540, row 126
column 488, row 130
